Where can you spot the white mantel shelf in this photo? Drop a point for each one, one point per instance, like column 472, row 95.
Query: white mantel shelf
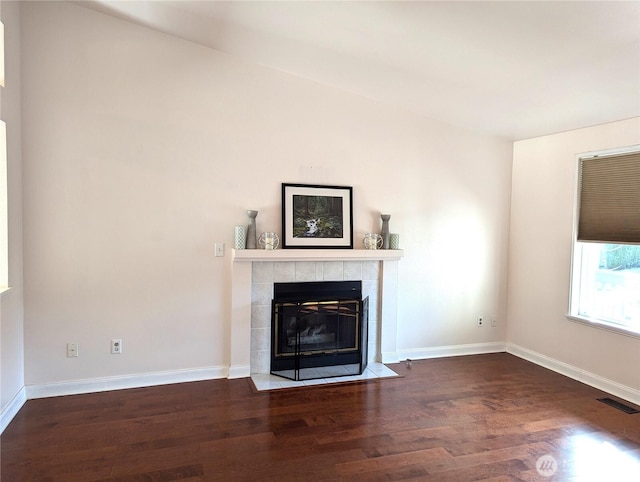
column 240, row 255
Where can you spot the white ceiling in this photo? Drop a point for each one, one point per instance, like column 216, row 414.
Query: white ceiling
column 516, row 69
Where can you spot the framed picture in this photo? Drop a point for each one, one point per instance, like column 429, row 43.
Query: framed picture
column 317, row 216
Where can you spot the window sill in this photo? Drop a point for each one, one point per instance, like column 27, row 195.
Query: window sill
column 603, row 325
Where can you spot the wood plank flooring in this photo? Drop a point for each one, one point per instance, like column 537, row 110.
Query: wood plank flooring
column 483, row 417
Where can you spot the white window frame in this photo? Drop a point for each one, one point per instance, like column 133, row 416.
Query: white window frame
column 577, row 254
column 4, row 188
column 4, row 214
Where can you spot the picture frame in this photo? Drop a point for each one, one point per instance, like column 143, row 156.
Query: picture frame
column 317, row 216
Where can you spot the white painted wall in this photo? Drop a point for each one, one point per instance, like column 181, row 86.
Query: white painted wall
column 544, row 177
column 142, row 150
column 11, row 305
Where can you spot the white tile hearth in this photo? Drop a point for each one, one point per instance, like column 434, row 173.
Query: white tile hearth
column 266, row 381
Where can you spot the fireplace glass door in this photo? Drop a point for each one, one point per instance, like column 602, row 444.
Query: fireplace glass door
column 319, row 339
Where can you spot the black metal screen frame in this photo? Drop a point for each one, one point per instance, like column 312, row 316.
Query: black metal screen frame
column 308, row 364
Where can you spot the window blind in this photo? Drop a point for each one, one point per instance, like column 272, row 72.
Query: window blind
column 609, row 202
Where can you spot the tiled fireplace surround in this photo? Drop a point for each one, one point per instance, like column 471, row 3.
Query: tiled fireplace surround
column 255, row 271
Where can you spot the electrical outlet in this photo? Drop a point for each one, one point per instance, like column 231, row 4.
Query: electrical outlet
column 494, row 322
column 480, row 320
column 72, row 350
column 116, row 346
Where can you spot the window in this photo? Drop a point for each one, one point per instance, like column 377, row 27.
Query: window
column 605, row 282
column 4, row 216
column 4, row 220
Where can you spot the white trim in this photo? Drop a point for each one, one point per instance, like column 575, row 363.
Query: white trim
column 603, row 325
column 4, row 210
column 250, row 255
column 452, row 350
column 614, row 388
column 575, row 267
column 239, row 371
column 388, row 311
column 389, row 357
column 615, row 151
column 241, row 323
column 12, row 409
column 75, row 387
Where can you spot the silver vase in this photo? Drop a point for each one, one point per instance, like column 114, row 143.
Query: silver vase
column 385, row 230
column 252, row 240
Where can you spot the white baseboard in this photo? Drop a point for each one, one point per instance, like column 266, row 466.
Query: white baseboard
column 389, row 357
column 614, row 388
column 75, row 387
column 452, row 350
column 12, row 409
column 239, row 371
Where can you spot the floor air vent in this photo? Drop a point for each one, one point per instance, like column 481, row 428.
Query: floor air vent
column 620, row 406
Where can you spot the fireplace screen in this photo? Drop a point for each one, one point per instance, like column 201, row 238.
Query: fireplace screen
column 319, row 338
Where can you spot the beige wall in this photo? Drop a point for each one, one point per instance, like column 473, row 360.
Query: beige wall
column 142, row 150
column 544, row 177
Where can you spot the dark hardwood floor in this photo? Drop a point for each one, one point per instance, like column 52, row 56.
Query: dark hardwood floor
column 484, row 417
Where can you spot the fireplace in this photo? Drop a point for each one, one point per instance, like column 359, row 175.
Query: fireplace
column 319, row 329
column 254, row 271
